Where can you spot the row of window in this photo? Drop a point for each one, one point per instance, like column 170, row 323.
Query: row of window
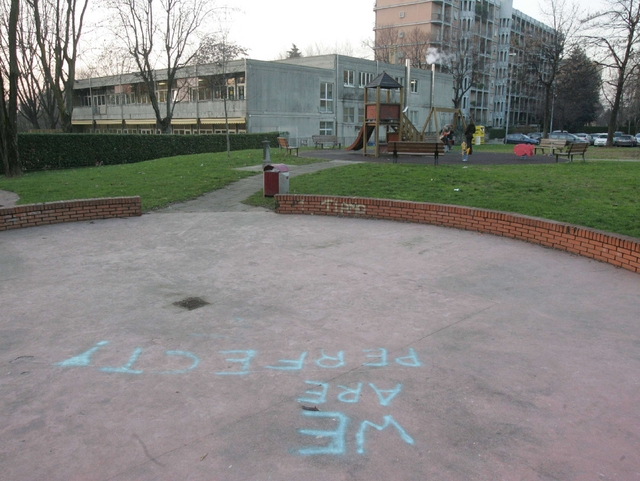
column 364, row 78
column 201, row 94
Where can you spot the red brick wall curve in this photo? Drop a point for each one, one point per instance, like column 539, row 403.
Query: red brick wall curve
column 31, row 215
column 618, row 250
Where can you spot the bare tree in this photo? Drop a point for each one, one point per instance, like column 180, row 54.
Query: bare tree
column 385, row 48
column 165, row 38
column 344, row 48
column 111, row 60
column 414, row 47
column 36, row 102
column 614, row 32
column 218, row 50
column 58, row 27
column 462, row 61
column 9, row 101
column 543, row 55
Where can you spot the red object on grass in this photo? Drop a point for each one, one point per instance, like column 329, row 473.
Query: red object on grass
column 523, row 150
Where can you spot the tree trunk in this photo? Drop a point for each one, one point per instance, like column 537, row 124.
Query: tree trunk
column 615, row 109
column 9, row 110
column 546, row 121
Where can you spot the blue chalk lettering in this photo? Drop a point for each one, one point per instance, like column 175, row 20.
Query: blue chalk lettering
column 342, row 397
column 384, row 401
column 194, row 362
column 339, row 359
column 387, row 421
column 321, row 396
column 411, row 359
column 245, row 361
column 337, row 444
column 290, row 364
column 83, row 359
column 382, row 356
column 126, row 369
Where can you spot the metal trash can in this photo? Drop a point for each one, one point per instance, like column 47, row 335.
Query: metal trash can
column 276, row 179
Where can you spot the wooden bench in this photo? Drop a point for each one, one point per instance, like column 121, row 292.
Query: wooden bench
column 551, row 145
column 573, row 149
column 320, row 140
column 417, row 148
column 284, row 144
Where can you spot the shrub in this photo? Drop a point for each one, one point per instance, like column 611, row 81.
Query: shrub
column 65, row 151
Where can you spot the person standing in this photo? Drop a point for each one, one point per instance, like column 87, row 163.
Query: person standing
column 468, row 134
column 444, row 137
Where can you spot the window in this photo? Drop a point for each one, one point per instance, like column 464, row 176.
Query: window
column 414, row 86
column 348, row 115
column 360, row 115
column 326, row 97
column 413, row 117
column 326, row 128
column 365, row 78
column 349, row 78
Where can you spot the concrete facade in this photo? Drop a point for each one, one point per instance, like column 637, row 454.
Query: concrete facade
column 435, row 28
column 297, row 97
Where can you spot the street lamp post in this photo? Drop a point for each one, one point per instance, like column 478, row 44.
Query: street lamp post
column 506, row 131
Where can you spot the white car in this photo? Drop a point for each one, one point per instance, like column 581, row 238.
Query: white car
column 600, row 140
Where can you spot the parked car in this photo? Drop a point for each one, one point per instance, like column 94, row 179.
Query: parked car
column 585, row 137
column 600, row 140
column 624, row 141
column 520, row 139
column 535, row 135
column 570, row 138
column 638, row 139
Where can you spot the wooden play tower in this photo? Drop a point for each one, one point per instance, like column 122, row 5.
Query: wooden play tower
column 385, row 115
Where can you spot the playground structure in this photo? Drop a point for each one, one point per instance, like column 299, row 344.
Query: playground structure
column 383, row 117
column 386, row 119
column 437, row 113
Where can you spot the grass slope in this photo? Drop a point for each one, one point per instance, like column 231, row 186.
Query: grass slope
column 601, row 195
column 158, row 182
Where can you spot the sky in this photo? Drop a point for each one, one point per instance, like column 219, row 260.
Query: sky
column 268, row 29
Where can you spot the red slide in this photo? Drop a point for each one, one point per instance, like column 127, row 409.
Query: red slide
column 357, row 145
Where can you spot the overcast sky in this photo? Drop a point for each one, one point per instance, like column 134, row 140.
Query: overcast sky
column 268, row 29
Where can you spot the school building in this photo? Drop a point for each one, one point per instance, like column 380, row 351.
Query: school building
column 299, row 97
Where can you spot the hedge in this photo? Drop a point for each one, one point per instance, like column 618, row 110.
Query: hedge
column 66, row 151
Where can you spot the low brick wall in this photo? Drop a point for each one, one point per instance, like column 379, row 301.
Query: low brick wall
column 68, row 211
column 618, row 250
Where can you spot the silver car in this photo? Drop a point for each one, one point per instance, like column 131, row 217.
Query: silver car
column 585, row 137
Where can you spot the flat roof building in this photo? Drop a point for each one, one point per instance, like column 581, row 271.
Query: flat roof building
column 297, row 97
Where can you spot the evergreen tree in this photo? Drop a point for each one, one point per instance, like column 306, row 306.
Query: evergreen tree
column 577, row 92
column 294, row 52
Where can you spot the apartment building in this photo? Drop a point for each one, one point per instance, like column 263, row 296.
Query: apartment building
column 500, row 95
column 298, row 97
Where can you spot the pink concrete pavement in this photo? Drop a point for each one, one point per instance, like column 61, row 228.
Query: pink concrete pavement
column 429, row 353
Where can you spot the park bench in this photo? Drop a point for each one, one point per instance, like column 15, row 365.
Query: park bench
column 417, row 148
column 550, row 145
column 573, row 149
column 320, row 140
column 284, row 144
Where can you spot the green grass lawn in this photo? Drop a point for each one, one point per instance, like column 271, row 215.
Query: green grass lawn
column 593, row 153
column 158, row 182
column 601, row 195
